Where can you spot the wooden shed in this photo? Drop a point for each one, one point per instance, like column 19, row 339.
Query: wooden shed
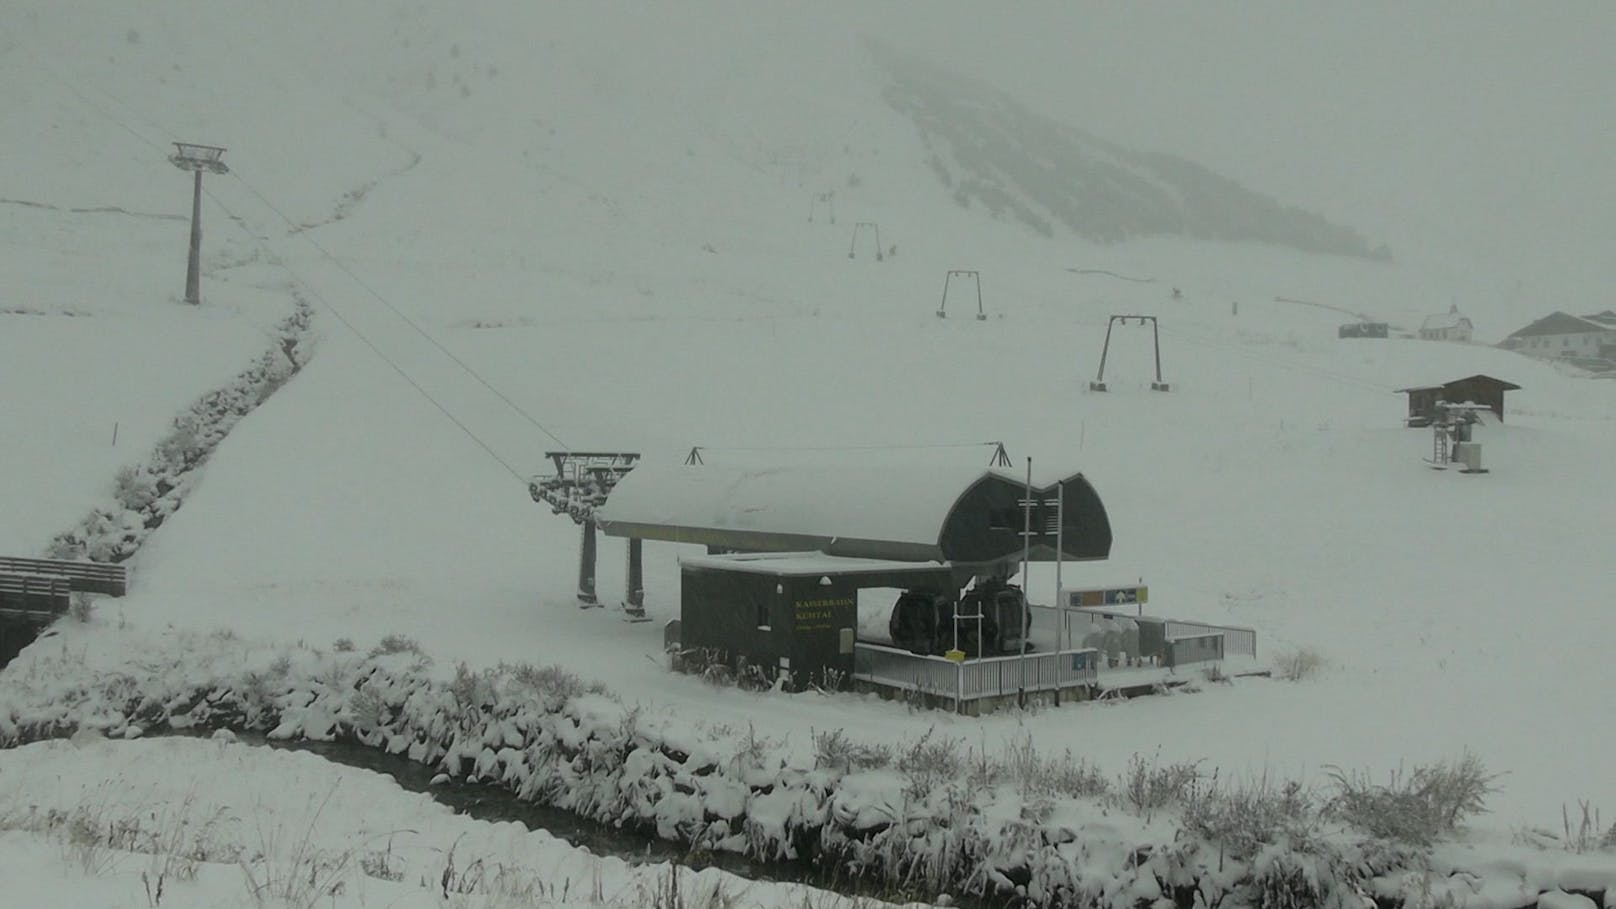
column 1478, row 389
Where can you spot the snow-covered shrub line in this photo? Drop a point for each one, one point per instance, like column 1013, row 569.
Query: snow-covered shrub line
column 922, row 819
column 146, row 494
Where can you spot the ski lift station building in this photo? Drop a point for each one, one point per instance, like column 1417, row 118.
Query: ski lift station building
column 789, row 548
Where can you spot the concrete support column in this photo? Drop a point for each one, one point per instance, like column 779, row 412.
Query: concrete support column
column 586, row 567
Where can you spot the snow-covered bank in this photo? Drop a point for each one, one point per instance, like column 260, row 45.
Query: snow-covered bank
column 923, row 820
column 147, row 494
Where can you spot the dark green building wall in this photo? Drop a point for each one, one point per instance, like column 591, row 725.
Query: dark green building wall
column 751, row 618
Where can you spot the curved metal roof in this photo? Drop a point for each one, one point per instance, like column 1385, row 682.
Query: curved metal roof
column 919, row 513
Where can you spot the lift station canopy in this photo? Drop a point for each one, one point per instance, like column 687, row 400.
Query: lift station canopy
column 970, row 518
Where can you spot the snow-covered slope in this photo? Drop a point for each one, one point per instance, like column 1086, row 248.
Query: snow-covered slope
column 619, row 218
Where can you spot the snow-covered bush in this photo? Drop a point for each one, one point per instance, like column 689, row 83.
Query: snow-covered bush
column 1243, row 819
column 1148, row 786
column 835, row 750
column 1418, row 807
column 471, row 690
column 1296, row 665
column 396, row 643
column 552, row 685
column 928, row 762
column 1034, row 775
column 134, row 488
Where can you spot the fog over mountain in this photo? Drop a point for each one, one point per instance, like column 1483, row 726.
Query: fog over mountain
column 990, row 150
column 1474, row 138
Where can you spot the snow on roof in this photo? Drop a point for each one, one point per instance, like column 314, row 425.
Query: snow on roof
column 1449, row 319
column 805, row 563
column 1606, row 318
column 1560, row 323
column 1477, row 379
column 899, row 504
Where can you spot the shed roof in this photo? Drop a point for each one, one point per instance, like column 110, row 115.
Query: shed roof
column 1477, row 379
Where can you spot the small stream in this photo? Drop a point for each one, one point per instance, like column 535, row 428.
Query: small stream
column 490, row 802
column 14, row 636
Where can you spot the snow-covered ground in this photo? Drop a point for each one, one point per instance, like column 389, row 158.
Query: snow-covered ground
column 615, row 218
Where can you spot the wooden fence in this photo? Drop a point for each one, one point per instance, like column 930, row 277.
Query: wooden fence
column 85, row 577
column 33, row 596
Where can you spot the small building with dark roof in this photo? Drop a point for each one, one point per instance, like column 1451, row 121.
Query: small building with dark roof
column 1363, row 330
column 1478, row 389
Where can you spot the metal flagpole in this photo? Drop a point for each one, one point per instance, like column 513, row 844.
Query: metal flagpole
column 1026, row 555
column 1060, row 556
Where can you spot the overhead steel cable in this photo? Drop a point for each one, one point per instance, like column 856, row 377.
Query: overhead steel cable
column 343, row 267
column 380, row 354
column 308, row 288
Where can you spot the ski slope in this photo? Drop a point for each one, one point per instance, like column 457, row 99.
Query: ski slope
column 571, row 233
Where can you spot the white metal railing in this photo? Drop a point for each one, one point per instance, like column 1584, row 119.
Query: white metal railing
column 904, row 669
column 1236, row 640
column 997, row 676
column 1195, row 648
column 974, row 679
column 1074, row 629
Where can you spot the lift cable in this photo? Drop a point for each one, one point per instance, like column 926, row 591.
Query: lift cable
column 299, row 280
column 918, row 445
column 343, row 267
column 311, row 291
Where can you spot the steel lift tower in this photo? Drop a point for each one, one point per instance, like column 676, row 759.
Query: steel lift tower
column 196, row 159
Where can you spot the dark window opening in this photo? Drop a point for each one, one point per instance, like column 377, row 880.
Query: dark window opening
column 1004, row 519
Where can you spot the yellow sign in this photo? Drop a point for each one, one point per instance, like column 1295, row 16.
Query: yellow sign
column 818, row 614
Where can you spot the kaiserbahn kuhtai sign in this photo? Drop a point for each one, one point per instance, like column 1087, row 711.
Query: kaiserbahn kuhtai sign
column 1107, row 596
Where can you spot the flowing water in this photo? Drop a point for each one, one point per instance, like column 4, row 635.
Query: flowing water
column 488, row 802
